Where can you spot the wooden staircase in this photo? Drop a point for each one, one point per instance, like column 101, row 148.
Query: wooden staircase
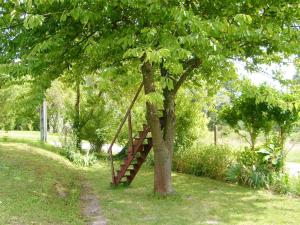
column 138, row 150
column 136, row 156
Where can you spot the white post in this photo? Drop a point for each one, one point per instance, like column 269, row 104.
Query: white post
column 43, row 124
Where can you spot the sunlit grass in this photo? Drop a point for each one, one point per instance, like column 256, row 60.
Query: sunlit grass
column 28, row 195
column 28, row 135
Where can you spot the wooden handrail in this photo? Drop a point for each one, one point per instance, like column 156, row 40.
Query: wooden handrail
column 119, row 130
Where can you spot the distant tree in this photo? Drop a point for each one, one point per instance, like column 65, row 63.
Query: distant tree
column 285, row 119
column 247, row 115
column 261, row 109
column 58, row 98
column 19, row 107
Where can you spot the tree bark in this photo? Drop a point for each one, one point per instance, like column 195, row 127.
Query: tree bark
column 253, row 140
column 282, row 137
column 77, row 116
column 162, row 155
column 163, row 140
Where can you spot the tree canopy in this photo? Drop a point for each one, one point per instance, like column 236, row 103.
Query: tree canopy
column 170, row 43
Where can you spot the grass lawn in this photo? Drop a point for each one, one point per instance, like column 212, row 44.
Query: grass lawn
column 294, row 156
column 27, row 135
column 29, row 179
column 28, row 176
column 198, row 201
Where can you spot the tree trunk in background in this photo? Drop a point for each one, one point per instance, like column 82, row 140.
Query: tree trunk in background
column 252, row 141
column 162, row 141
column 77, row 116
column 282, row 138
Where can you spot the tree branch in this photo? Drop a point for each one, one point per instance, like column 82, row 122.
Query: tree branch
column 244, row 137
column 190, row 65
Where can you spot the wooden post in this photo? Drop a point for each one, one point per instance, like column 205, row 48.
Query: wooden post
column 130, row 143
column 215, row 133
column 43, row 122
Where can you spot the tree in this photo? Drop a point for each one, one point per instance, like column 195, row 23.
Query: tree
column 248, row 114
column 19, row 107
column 171, row 43
column 285, row 119
column 58, row 98
column 261, row 109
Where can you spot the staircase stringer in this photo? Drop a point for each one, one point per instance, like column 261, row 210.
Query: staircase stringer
column 131, row 155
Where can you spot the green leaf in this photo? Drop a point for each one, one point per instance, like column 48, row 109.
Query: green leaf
column 243, row 19
column 63, row 17
column 33, row 21
column 155, row 98
column 12, row 15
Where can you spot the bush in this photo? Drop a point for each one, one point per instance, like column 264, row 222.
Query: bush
column 210, row 161
column 296, row 186
column 259, row 168
column 74, row 155
column 80, row 159
column 281, row 183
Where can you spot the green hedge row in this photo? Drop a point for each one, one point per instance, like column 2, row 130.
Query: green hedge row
column 211, row 161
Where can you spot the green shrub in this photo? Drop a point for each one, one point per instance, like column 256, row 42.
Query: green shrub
column 260, row 168
column 296, row 185
column 210, row 161
column 80, row 159
column 74, row 155
column 281, row 183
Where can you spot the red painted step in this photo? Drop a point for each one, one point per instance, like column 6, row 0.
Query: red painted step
column 136, row 156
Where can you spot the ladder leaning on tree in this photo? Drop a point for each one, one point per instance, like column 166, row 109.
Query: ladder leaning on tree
column 138, row 149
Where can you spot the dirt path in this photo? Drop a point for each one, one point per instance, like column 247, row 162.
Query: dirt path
column 90, row 207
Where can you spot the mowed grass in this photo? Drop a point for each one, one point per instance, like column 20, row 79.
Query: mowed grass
column 28, row 196
column 33, row 136
column 198, row 201
column 31, row 179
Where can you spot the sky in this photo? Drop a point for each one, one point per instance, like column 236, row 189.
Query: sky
column 266, row 73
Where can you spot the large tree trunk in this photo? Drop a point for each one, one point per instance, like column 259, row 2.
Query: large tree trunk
column 162, row 141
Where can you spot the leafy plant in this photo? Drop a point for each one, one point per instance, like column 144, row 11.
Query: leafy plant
column 281, row 183
column 74, row 155
column 259, row 168
column 80, row 159
column 297, row 186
